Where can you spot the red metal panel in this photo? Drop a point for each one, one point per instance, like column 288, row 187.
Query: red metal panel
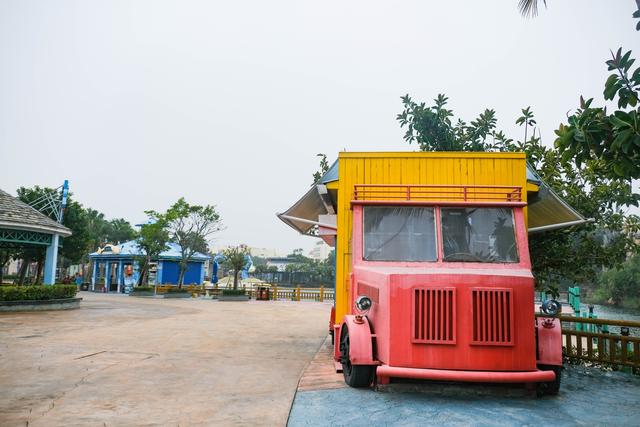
column 369, row 291
column 549, row 341
column 492, row 316
column 468, row 376
column 433, row 315
column 360, row 340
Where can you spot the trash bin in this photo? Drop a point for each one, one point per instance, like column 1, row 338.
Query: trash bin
column 262, row 294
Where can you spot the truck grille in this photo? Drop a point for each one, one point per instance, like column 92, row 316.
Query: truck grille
column 492, row 316
column 434, row 314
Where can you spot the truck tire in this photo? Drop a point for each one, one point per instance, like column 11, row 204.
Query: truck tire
column 354, row 375
column 551, row 387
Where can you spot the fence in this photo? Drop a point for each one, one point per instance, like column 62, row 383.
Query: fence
column 275, row 293
column 300, row 294
column 601, row 340
column 293, row 278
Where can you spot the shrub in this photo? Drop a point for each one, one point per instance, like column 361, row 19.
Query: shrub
column 177, row 290
column 620, row 285
column 37, row 292
column 232, row 292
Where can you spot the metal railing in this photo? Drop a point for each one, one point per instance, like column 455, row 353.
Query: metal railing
column 432, row 193
column 594, row 340
column 275, row 293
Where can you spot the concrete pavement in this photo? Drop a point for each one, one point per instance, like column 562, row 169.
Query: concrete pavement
column 123, row 361
column 588, row 396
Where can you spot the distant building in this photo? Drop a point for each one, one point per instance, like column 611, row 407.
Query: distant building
column 12, row 267
column 254, row 252
column 280, row 262
column 320, row 251
column 264, row 252
column 115, row 267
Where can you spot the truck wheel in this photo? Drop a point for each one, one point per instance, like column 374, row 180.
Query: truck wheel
column 354, row 375
column 551, row 387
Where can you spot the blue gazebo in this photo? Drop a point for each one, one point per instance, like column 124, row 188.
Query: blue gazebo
column 115, row 267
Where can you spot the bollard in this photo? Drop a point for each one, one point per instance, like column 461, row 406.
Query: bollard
column 321, row 293
column 579, row 325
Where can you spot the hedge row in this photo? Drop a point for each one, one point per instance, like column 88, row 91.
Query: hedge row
column 232, row 292
column 143, row 289
column 37, row 292
column 177, row 290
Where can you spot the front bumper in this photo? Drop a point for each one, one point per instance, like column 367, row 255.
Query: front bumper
column 466, row 376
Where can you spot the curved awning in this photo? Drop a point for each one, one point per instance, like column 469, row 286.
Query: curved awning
column 546, row 210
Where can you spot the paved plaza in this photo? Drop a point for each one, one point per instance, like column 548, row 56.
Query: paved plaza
column 125, row 361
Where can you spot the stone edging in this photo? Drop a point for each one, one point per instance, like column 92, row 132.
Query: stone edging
column 40, row 305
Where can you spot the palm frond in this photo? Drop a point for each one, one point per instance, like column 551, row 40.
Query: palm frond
column 529, row 8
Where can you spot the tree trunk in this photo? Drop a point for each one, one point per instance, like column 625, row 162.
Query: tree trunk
column 143, row 274
column 23, row 270
column 181, row 276
column 235, row 279
column 39, row 271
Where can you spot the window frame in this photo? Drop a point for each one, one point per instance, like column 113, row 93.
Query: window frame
column 436, row 233
column 513, row 224
column 439, row 238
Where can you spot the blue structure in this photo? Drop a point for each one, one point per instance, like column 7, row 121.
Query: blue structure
column 115, row 267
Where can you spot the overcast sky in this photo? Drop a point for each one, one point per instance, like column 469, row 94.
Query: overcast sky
column 138, row 103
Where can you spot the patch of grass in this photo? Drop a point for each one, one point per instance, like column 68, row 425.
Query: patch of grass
column 37, row 292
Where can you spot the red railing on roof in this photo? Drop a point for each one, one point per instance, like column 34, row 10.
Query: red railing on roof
column 435, row 193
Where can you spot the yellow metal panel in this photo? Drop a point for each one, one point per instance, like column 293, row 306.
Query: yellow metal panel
column 452, row 168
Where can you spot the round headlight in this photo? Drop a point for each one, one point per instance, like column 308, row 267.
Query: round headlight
column 363, row 303
column 551, row 307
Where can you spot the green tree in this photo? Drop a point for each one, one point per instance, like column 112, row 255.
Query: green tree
column 152, row 240
column 324, row 167
column 587, row 187
column 119, row 230
column 621, row 286
column 189, row 226
column 610, row 137
column 97, row 225
column 433, row 128
column 529, row 8
column 235, row 258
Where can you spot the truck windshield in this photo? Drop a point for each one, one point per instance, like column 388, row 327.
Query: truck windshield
column 478, row 235
column 399, row 234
